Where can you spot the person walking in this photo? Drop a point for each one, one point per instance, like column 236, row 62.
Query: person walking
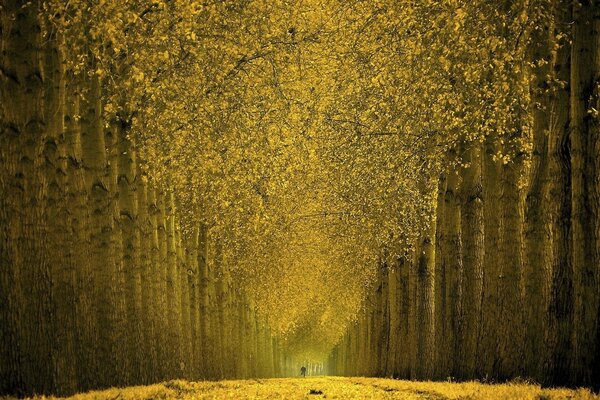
column 303, row 371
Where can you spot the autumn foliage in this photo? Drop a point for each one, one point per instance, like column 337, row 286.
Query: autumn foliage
column 227, row 189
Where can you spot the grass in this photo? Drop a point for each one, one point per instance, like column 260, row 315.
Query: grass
column 335, row 388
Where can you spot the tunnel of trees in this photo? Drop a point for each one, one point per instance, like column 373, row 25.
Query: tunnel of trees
column 231, row 189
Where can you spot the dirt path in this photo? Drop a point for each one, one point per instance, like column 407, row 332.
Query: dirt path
column 334, row 388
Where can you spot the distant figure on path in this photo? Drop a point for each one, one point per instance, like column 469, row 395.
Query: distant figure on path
column 303, row 371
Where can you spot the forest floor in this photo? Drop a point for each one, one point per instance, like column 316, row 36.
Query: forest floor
column 334, row 388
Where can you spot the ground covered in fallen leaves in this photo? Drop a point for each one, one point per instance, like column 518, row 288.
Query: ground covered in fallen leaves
column 334, row 388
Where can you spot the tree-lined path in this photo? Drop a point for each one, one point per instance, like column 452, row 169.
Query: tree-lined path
column 210, row 190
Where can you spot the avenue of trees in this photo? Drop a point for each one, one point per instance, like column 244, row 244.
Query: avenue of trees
column 225, row 189
column 505, row 281
column 99, row 285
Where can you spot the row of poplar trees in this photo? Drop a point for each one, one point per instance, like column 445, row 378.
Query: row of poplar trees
column 98, row 285
column 506, row 282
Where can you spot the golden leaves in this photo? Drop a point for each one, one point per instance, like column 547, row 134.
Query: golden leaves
column 297, row 130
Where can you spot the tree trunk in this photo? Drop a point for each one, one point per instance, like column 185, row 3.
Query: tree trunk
column 382, row 321
column 425, row 307
column 490, row 324
column 184, row 305
column 101, row 258
column 560, row 307
column 205, row 325
column 86, row 319
column 25, row 286
column 441, row 358
column 394, row 321
column 510, row 333
column 404, row 314
column 161, row 269
column 585, row 175
column 536, row 241
column 131, row 257
column 453, row 267
column 61, row 257
column 472, row 239
column 194, row 302
column 121, row 333
column 146, row 268
column 173, row 290
column 425, row 269
column 413, row 311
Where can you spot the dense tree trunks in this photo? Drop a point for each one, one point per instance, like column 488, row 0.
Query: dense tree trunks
column 560, row 307
column 98, row 286
column 585, row 146
column 472, row 251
